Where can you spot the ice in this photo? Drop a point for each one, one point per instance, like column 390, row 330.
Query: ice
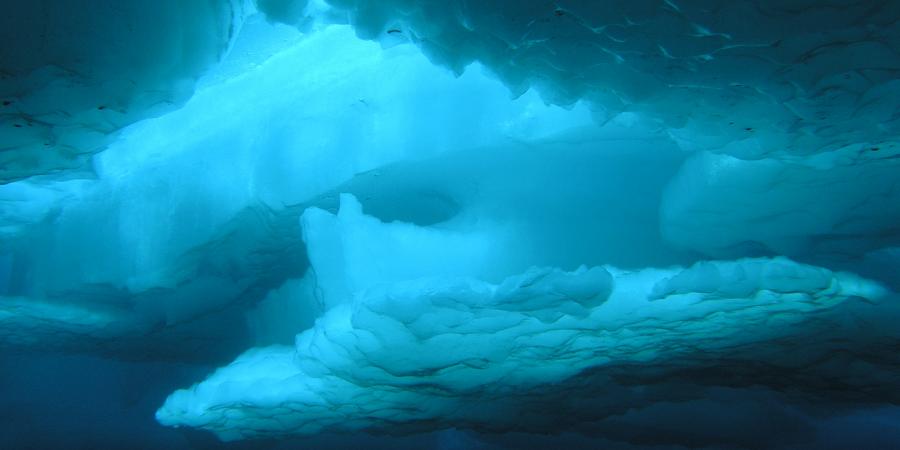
column 632, row 223
column 750, row 79
column 74, row 74
column 842, row 203
column 193, row 214
column 421, row 345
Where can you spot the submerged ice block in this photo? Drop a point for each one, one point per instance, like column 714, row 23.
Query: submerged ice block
column 421, row 346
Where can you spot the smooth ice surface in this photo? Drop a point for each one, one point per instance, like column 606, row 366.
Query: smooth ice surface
column 455, row 224
column 845, row 204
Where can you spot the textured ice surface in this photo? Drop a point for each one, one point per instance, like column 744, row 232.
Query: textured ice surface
column 758, row 78
column 747, row 78
column 165, row 247
column 415, row 341
column 76, row 72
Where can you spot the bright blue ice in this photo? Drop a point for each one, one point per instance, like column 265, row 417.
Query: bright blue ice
column 406, row 216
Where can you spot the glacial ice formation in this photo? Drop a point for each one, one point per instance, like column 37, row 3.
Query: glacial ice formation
column 162, row 247
column 758, row 77
column 414, row 340
column 405, row 216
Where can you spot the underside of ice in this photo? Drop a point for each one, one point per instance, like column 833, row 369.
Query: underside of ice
column 652, row 222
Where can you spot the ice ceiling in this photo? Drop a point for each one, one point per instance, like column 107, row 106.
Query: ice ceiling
column 409, row 216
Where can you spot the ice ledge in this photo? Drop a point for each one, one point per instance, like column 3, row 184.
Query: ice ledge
column 434, row 352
